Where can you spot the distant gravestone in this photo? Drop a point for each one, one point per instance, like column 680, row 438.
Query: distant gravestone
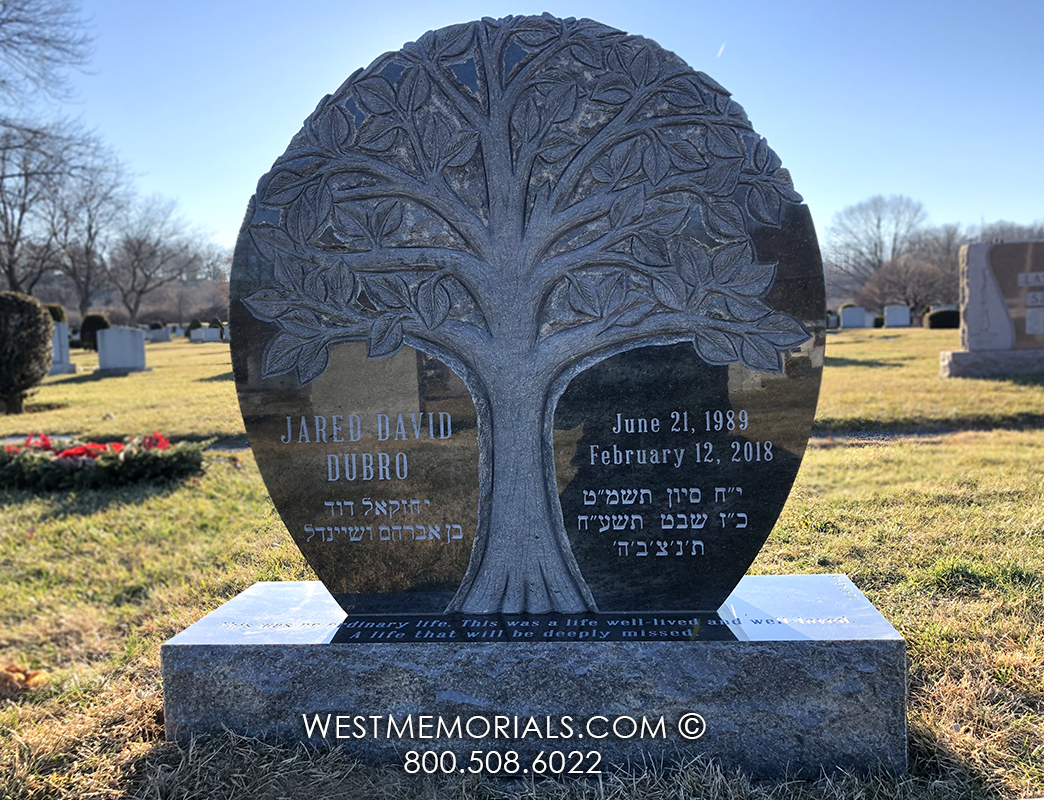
column 897, row 317
column 121, row 349
column 205, row 335
column 158, row 335
column 854, row 317
column 60, row 363
column 1002, row 311
column 529, row 334
column 833, row 320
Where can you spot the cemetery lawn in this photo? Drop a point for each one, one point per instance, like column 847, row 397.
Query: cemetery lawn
column 929, row 494
column 188, row 393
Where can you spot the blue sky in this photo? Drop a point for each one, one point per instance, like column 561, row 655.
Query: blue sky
column 941, row 101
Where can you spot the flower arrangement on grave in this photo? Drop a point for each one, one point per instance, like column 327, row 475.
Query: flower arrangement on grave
column 43, row 463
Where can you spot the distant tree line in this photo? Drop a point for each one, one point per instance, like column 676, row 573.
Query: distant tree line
column 72, row 229
column 882, row 252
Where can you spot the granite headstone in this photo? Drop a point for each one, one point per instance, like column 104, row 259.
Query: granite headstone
column 1002, row 311
column 530, row 326
column 121, row 350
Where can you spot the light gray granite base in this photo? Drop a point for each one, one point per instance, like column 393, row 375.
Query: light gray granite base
column 990, row 363
column 811, row 677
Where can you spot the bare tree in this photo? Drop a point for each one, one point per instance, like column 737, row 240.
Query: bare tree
column 39, row 40
column 909, row 282
column 1008, row 231
column 82, row 212
column 152, row 250
column 866, row 236
column 31, row 165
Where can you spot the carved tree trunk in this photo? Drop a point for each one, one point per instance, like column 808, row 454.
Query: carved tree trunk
column 521, row 561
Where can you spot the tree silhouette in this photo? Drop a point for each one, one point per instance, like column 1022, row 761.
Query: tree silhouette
column 521, row 198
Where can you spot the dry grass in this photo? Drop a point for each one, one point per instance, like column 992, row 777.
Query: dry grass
column 187, row 393
column 944, row 532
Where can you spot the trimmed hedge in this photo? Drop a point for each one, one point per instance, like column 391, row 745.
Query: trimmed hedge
column 57, row 312
column 25, row 348
column 943, row 318
column 89, row 328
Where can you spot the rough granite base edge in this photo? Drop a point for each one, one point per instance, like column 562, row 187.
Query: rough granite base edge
column 772, row 708
column 990, row 363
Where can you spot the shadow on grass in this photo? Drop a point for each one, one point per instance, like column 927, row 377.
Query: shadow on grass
column 91, row 377
column 224, row 376
column 84, row 502
column 39, row 408
column 231, row 765
column 913, row 424
column 834, row 361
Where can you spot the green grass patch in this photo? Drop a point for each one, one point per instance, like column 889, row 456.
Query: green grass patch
column 188, row 393
column 944, row 532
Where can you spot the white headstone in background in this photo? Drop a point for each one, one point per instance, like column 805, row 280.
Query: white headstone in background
column 60, row 364
column 121, row 349
column 157, row 335
column 871, row 317
column 832, row 320
column 205, row 335
column 897, row 317
column 854, row 317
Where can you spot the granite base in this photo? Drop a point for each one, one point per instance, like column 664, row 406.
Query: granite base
column 794, row 675
column 990, row 363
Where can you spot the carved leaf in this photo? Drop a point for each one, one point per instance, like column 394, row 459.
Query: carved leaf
column 537, row 33
column 650, row 250
column 377, row 134
column 613, row 291
column 764, row 204
column 280, row 355
column 683, row 93
column 587, row 51
column 455, row 40
column 724, row 142
column 627, row 208
column 694, row 265
column 387, row 218
column 284, row 187
column 746, row 309
column 645, row 67
column 716, row 347
column 300, row 322
column 376, row 94
column 731, row 259
column 723, row 220
column 415, row 88
column 433, row 303
column 656, row 162
column 685, row 155
column 758, row 353
column 525, row 120
column 335, row 128
column 613, row 90
column 722, row 176
column 671, row 221
column 754, row 280
column 783, row 331
column 558, row 147
column 386, row 336
column 312, row 361
column 387, row 291
column 267, row 304
column 636, row 310
column 670, row 291
column 461, row 148
column 562, row 102
column 582, row 297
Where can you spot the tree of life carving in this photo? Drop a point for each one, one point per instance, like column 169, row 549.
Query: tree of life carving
column 521, row 198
